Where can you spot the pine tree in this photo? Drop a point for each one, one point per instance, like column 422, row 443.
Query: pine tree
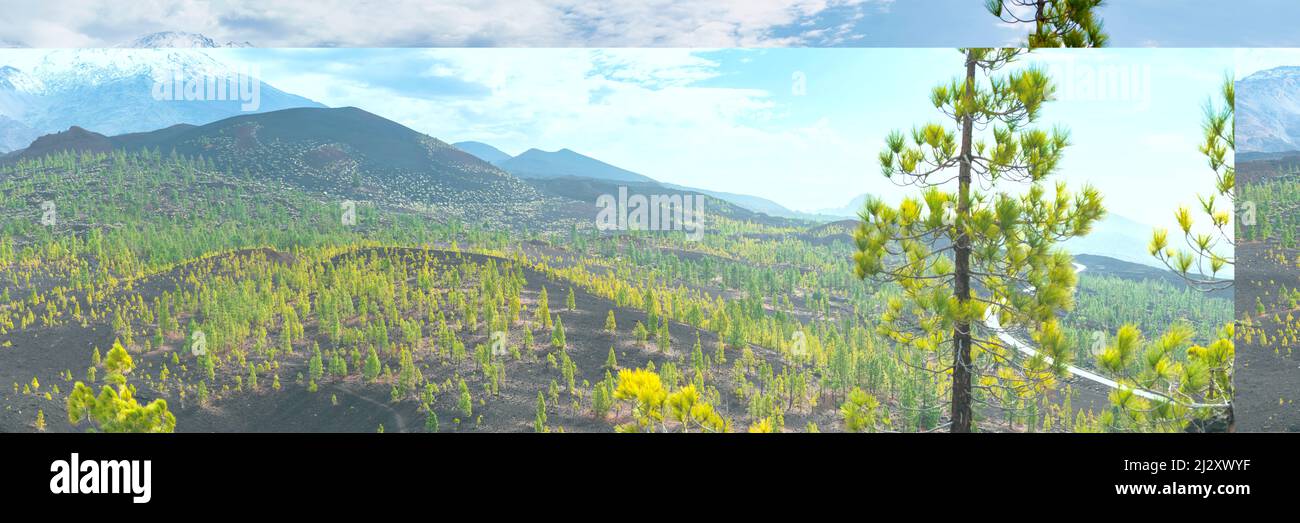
column 860, row 411
column 1198, row 379
column 373, row 367
column 431, row 422
column 202, row 393
column 1057, row 23
column 557, row 333
column 639, row 331
column 539, row 422
column 542, row 314
column 315, row 369
column 338, row 364
column 602, row 397
column 1208, row 252
column 663, row 338
column 976, row 256
column 697, row 354
column 611, row 361
column 569, row 301
column 466, row 402
column 118, row 364
column 568, row 370
column 117, row 410
column 611, row 325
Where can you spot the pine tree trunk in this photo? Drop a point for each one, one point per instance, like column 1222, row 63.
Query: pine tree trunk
column 1038, row 16
column 961, row 372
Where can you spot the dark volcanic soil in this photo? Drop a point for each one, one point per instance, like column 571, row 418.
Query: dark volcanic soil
column 1267, row 381
column 352, row 406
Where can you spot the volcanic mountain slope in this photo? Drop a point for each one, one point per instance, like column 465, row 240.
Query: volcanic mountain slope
column 74, row 139
column 1262, row 167
column 178, row 230
column 1268, row 267
column 242, row 258
column 345, row 153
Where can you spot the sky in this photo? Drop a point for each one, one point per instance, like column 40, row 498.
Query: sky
column 1251, row 61
column 626, row 23
column 802, row 127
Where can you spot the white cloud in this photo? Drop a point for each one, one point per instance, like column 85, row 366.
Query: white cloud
column 419, row 23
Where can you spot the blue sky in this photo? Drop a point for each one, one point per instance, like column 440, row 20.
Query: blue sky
column 1250, row 61
column 626, row 23
column 736, row 120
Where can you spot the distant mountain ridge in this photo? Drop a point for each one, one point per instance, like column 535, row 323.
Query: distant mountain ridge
column 536, row 163
column 484, row 151
column 178, row 39
column 849, row 210
column 565, row 163
column 345, row 152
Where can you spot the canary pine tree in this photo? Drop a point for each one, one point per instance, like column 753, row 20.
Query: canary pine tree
column 1057, row 23
column 966, row 256
column 1195, row 382
column 1206, row 253
column 1161, row 391
column 116, row 410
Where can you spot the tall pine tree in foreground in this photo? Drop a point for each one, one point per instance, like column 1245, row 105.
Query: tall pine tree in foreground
column 1057, row 23
column 968, row 260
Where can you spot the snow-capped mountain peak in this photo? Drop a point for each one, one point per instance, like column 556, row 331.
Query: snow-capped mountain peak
column 1268, row 111
column 1286, row 71
column 178, row 40
column 63, row 69
column 15, row 80
column 117, row 90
